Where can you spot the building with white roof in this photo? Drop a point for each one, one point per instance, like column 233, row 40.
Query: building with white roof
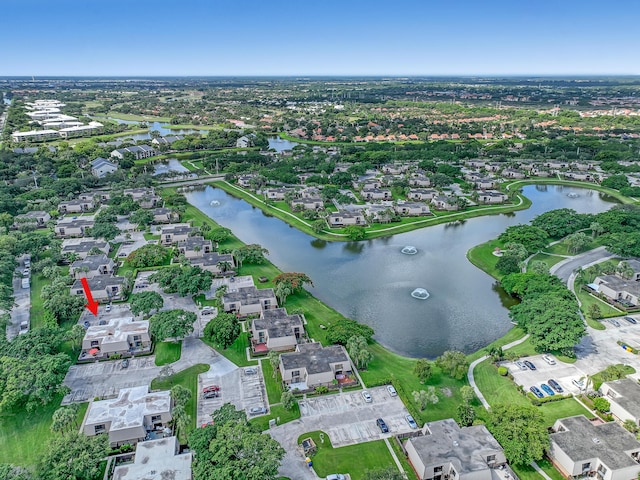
column 34, row 135
column 131, row 417
column 157, row 460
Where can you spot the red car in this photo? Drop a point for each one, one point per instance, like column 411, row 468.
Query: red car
column 211, row 388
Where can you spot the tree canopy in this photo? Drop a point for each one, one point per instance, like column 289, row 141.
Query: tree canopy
column 144, row 302
column 562, row 222
column 342, row 330
column 171, row 324
column 533, row 238
column 73, row 456
column 183, row 280
column 150, row 255
column 223, row 329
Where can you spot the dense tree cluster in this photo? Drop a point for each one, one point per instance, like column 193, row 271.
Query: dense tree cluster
column 150, row 255
column 342, row 330
column 183, row 280
column 223, row 329
column 174, row 324
column 521, row 432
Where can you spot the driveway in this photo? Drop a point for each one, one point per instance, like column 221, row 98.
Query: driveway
column 236, row 387
column 565, row 268
column 22, row 304
column 135, row 242
column 345, row 417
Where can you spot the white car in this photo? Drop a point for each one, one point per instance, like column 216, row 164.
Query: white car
column 521, row 365
column 578, row 383
column 549, row 359
column 335, row 476
column 367, row 396
column 392, row 391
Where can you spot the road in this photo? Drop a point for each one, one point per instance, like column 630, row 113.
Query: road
column 565, row 268
column 22, row 303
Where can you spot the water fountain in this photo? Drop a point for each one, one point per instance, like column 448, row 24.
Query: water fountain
column 409, row 250
column 573, row 195
column 420, row 294
column 215, row 203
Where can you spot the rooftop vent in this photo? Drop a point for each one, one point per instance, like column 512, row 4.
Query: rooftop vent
column 596, row 440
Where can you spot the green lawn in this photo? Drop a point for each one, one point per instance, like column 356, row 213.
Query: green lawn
column 587, row 300
column 150, row 236
column 24, row 435
column 236, row 352
column 598, row 380
column 36, row 314
column 549, row 260
column 497, row 389
column 352, row 459
column 482, row 257
column 568, row 407
column 274, row 389
column 137, row 118
column 275, row 413
column 387, row 367
column 167, row 352
column 526, row 472
column 188, row 378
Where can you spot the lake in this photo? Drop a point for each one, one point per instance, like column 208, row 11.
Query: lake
column 280, row 144
column 372, row 281
column 169, row 165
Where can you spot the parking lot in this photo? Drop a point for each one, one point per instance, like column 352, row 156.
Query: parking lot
column 116, row 310
column 105, row 379
column 348, row 419
column 243, row 390
column 561, row 372
column 600, row 348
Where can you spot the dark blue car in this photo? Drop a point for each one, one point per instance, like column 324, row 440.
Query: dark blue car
column 555, row 385
column 536, row 391
column 530, row 365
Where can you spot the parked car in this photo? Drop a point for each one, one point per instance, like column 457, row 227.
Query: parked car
column 125, row 363
column 336, row 476
column 367, row 396
column 521, row 365
column 392, row 391
column 549, row 359
column 578, row 383
column 383, row 426
column 107, row 308
column 631, row 320
column 412, row 423
column 547, row 389
column 530, row 365
column 555, row 385
column 251, row 370
column 536, row 391
column 211, row 388
column 26, row 272
column 614, row 322
column 257, row 410
column 212, row 394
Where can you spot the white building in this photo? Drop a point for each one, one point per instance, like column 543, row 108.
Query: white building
column 157, row 460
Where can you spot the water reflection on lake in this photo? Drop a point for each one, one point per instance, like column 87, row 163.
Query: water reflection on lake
column 371, row 281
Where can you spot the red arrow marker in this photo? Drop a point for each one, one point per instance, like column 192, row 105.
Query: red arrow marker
column 91, row 305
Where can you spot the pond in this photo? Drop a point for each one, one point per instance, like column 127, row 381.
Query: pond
column 372, row 281
column 281, row 144
column 170, row 165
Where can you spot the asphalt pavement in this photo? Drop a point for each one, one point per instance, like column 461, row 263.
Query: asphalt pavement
column 565, row 268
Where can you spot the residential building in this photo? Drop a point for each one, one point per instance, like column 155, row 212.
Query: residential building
column 485, row 182
column 120, row 336
column 214, row 262
column 556, row 164
column 412, row 209
column 377, row 194
column 624, row 397
column 164, row 215
column 130, row 417
column 168, row 140
column 423, row 194
column 91, row 266
column 73, row 226
column 618, row 289
column 34, row 135
column 492, row 196
column 513, row 173
column 580, row 448
column 344, row 218
column 145, row 197
column 446, row 451
column 420, row 181
column 96, row 196
column 276, row 330
column 196, row 246
column 76, row 206
column 275, row 193
column 307, row 203
column 245, row 180
column 101, row 167
column 157, row 460
column 248, row 300
column 82, row 247
column 38, row 218
column 81, row 130
column 634, row 263
column 103, row 287
column 312, row 365
column 176, row 233
column 578, row 175
column 139, row 152
column 243, row 142
column 444, row 203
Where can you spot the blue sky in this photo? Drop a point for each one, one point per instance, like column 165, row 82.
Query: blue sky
column 322, row 37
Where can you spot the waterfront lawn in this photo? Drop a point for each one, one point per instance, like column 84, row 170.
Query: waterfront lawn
column 387, row 367
column 482, row 257
column 167, row 352
column 276, row 412
column 188, row 378
column 274, row 389
column 24, row 435
column 328, row 460
column 512, row 335
column 495, row 388
column 236, row 352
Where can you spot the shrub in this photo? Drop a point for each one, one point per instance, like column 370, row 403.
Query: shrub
column 503, row 371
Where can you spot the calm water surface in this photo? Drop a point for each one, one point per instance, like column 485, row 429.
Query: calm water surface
column 280, row 144
column 372, row 281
